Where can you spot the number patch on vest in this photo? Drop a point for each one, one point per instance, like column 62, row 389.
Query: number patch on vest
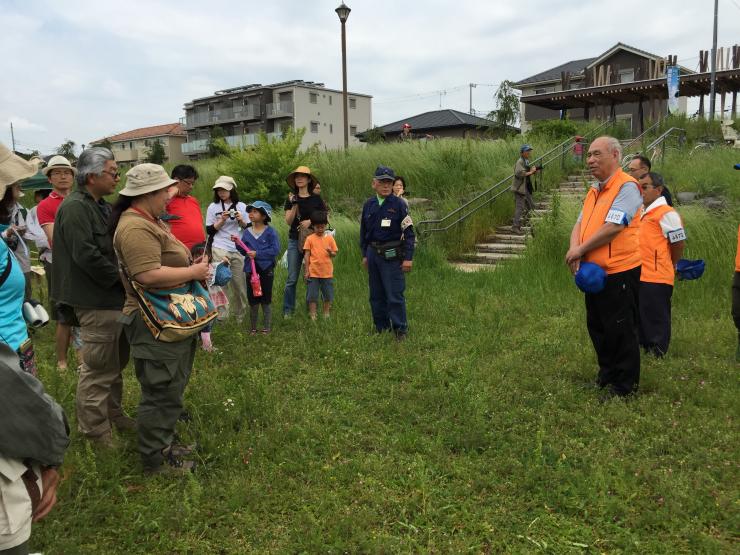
column 676, row 235
column 615, row 217
column 406, row 222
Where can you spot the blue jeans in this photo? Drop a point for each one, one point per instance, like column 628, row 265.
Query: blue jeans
column 295, row 260
column 387, row 285
column 323, row 285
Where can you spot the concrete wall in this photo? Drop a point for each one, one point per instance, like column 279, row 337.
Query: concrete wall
column 132, row 152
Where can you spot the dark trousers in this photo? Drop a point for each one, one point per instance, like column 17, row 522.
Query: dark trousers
column 267, row 278
column 736, row 302
column 655, row 317
column 387, row 285
column 523, row 205
column 611, row 317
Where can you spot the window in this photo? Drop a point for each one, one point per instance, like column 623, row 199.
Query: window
column 122, row 146
column 314, row 127
column 352, row 103
column 545, row 90
column 353, row 130
column 626, row 75
column 329, row 100
column 331, row 126
column 146, row 142
column 313, row 98
column 131, row 145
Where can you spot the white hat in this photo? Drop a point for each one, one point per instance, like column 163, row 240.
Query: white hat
column 225, row 182
column 58, row 163
column 13, row 168
column 145, row 178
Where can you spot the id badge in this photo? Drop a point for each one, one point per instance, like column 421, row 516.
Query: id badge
column 386, row 222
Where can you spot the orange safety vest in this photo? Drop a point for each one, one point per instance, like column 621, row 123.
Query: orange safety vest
column 737, row 256
column 657, row 265
column 623, row 253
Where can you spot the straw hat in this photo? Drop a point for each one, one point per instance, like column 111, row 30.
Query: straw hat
column 300, row 169
column 13, row 168
column 225, row 182
column 58, row 163
column 145, row 178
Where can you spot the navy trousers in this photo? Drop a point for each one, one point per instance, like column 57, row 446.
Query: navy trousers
column 387, row 285
column 655, row 317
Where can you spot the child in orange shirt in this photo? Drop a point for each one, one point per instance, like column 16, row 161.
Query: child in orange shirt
column 319, row 249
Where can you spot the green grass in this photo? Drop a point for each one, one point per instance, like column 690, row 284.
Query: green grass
column 475, row 435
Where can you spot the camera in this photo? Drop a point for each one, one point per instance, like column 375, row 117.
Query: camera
column 232, row 214
column 539, row 167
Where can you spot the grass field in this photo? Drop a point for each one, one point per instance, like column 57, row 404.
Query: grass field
column 475, row 435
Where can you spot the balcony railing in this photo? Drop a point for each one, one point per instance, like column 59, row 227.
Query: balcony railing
column 200, row 146
column 225, row 115
column 280, row 110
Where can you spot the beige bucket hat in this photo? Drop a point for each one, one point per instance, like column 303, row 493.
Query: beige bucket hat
column 225, row 182
column 145, row 178
column 13, row 168
column 58, row 163
column 301, row 169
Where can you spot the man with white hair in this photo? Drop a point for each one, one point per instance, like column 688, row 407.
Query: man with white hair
column 85, row 277
column 607, row 234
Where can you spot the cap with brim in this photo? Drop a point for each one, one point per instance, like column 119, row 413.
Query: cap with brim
column 300, row 169
column 225, row 182
column 590, row 278
column 263, row 207
column 525, row 148
column 384, row 173
column 13, row 168
column 58, row 163
column 145, row 178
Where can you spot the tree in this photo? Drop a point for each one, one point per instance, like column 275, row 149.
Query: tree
column 67, row 149
column 506, row 113
column 156, row 154
column 217, row 145
column 105, row 143
column 374, row 135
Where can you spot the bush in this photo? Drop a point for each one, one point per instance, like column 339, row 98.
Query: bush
column 261, row 171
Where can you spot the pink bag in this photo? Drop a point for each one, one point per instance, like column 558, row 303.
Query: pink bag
column 254, row 281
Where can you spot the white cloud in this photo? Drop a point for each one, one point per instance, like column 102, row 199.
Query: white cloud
column 22, row 124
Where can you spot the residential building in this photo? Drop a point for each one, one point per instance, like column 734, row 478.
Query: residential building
column 445, row 123
column 132, row 147
column 611, row 84
column 244, row 112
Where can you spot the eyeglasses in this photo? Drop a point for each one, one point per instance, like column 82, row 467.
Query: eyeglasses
column 188, row 181
column 114, row 175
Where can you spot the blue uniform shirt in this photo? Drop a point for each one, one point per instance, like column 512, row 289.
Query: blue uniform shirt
column 399, row 227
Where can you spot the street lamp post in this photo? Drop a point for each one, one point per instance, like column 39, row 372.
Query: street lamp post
column 343, row 13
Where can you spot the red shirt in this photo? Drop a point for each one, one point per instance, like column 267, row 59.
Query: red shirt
column 189, row 228
column 47, row 210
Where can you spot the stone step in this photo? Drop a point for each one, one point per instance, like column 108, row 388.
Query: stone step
column 506, row 238
column 500, row 247
column 540, row 212
column 469, row 267
column 506, row 229
column 488, row 256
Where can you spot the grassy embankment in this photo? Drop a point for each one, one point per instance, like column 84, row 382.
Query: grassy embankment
column 476, row 434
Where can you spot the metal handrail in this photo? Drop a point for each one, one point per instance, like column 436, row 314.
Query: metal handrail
column 664, row 136
column 641, row 135
column 505, row 181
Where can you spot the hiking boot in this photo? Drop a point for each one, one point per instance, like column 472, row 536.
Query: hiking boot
column 180, row 469
column 178, row 450
column 102, row 442
column 400, row 335
column 185, row 416
column 517, row 231
column 124, row 423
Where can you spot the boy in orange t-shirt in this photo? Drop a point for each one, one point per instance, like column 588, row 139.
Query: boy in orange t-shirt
column 319, row 249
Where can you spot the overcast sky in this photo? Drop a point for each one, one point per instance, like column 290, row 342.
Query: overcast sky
column 82, row 70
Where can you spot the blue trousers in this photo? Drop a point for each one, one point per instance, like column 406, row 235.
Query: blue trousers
column 295, row 260
column 387, row 284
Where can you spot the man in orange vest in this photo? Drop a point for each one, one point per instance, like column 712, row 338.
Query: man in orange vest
column 662, row 240
column 736, row 296
column 607, row 233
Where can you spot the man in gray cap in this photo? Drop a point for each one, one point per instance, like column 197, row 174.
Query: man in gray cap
column 522, row 188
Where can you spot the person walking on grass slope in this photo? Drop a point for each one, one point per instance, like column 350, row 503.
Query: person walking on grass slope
column 387, row 247
column 662, row 239
column 85, row 277
column 606, row 233
column 320, row 248
column 61, row 176
column 522, row 188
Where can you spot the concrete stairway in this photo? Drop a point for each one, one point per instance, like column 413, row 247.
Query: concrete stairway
column 502, row 245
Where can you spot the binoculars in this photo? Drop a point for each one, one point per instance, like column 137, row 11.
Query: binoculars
column 35, row 314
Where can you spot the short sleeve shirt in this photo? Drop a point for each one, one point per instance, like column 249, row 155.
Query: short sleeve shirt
column 625, row 205
column 48, row 208
column 320, row 263
column 145, row 245
column 188, row 228
column 306, row 207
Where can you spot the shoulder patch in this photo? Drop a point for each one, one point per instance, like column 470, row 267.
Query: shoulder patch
column 406, row 222
column 676, row 235
column 615, row 217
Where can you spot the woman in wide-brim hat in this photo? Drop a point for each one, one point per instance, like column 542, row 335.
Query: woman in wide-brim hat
column 13, row 330
column 154, row 258
column 301, row 203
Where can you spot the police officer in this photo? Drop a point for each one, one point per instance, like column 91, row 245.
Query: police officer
column 387, row 247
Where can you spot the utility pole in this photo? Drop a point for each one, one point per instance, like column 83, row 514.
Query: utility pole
column 12, row 135
column 713, row 80
column 472, row 86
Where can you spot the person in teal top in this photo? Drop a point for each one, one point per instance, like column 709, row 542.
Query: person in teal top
column 13, row 331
